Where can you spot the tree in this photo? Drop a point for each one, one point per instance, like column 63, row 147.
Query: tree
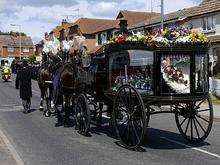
column 32, row 58
column 13, row 33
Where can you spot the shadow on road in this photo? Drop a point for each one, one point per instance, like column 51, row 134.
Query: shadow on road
column 155, row 138
column 32, row 110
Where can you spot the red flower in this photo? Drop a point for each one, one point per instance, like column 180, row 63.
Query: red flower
column 120, row 38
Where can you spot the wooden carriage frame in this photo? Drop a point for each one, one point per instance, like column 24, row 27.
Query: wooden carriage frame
column 132, row 110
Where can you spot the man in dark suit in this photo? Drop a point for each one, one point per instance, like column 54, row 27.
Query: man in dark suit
column 23, row 81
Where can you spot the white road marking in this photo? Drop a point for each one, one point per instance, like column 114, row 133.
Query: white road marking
column 10, row 108
column 193, row 148
column 12, row 149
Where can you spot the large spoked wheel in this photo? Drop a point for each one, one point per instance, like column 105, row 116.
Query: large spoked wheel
column 194, row 120
column 129, row 117
column 82, row 115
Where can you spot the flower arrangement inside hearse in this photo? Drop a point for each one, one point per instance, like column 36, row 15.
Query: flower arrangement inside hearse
column 140, row 82
column 172, row 36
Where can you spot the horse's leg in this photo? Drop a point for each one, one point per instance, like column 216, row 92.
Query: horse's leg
column 99, row 120
column 47, row 111
column 41, row 99
column 52, row 110
column 66, row 110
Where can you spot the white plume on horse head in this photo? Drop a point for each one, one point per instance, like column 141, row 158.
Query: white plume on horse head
column 66, row 45
column 47, row 46
column 79, row 42
column 52, row 46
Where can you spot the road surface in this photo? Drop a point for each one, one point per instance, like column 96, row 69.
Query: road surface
column 34, row 140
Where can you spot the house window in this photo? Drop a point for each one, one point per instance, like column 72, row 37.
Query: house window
column 109, row 35
column 10, row 49
column 103, row 36
column 208, row 23
column 99, row 39
column 25, row 50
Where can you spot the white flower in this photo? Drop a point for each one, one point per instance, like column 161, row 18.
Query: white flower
column 162, row 40
column 130, row 38
column 139, row 36
column 135, row 39
column 66, row 46
column 178, row 87
column 184, row 39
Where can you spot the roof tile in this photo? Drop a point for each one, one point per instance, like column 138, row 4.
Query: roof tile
column 204, row 8
column 92, row 25
column 9, row 40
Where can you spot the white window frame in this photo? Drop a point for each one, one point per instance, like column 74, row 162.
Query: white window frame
column 10, row 49
column 208, row 23
column 99, row 38
column 26, row 50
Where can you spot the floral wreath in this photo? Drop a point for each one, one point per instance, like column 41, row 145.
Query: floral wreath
column 166, row 37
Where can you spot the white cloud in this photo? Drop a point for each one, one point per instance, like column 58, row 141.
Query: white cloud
column 36, row 19
column 104, row 9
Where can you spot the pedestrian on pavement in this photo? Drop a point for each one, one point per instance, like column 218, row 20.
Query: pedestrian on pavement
column 23, row 81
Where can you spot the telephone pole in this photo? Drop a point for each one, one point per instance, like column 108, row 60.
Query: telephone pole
column 19, row 26
column 162, row 13
column 151, row 6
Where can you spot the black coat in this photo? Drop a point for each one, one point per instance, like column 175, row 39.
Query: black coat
column 23, row 81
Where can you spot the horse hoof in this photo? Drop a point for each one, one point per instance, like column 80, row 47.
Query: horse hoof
column 52, row 110
column 41, row 109
column 58, row 124
column 66, row 124
column 77, row 127
column 52, row 105
column 47, row 114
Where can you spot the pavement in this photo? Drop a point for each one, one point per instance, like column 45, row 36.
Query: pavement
column 216, row 111
column 32, row 139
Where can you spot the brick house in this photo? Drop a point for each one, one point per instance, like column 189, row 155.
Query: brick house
column 132, row 18
column 204, row 17
column 60, row 30
column 89, row 27
column 98, row 31
column 10, row 47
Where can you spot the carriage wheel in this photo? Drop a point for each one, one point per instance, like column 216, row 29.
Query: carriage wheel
column 129, row 117
column 82, row 115
column 194, row 120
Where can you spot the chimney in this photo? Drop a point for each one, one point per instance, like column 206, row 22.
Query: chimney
column 123, row 26
column 64, row 21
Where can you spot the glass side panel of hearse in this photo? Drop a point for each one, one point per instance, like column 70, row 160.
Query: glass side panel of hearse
column 201, row 73
column 175, row 73
column 134, row 67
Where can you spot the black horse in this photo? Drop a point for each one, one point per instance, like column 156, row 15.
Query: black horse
column 68, row 89
column 46, row 88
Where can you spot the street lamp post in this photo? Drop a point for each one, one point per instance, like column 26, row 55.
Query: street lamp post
column 19, row 26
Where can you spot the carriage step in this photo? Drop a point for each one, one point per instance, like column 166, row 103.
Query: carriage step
column 49, row 82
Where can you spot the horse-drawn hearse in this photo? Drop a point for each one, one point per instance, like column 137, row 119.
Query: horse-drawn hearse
column 137, row 76
column 136, row 80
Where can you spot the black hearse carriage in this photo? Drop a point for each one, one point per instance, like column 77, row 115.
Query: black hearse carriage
column 138, row 81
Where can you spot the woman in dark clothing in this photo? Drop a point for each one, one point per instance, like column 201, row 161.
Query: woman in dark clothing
column 23, row 81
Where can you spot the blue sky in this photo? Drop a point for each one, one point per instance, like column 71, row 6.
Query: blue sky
column 38, row 16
